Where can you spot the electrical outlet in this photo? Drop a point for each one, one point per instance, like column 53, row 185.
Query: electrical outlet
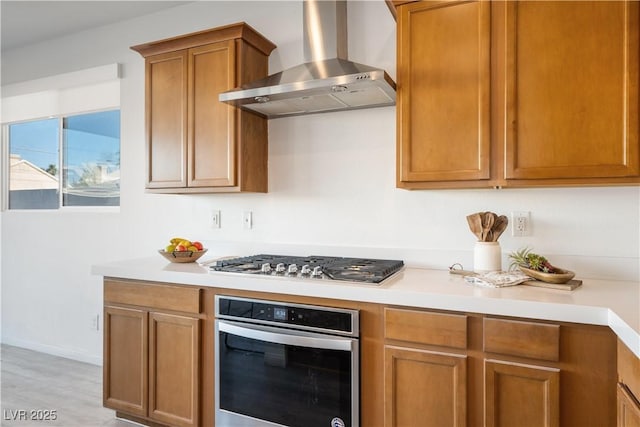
column 521, row 224
column 95, row 322
column 215, row 219
column 247, row 220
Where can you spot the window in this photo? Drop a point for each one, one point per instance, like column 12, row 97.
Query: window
column 65, row 161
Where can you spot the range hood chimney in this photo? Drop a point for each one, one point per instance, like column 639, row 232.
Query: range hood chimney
column 327, row 81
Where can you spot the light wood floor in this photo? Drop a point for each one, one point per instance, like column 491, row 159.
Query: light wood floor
column 32, row 382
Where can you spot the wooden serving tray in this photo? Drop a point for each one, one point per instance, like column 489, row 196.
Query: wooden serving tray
column 569, row 286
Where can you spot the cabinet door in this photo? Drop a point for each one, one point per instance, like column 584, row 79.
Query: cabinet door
column 174, row 343
column 212, row 133
column 521, row 395
column 628, row 409
column 443, row 97
column 424, row 388
column 572, row 90
column 125, row 360
column 166, row 116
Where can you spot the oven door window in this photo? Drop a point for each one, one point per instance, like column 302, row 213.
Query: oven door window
column 285, row 384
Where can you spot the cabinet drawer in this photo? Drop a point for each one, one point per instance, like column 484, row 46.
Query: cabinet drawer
column 448, row 330
column 519, row 338
column 156, row 296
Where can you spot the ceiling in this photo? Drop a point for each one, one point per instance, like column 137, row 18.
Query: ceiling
column 25, row 22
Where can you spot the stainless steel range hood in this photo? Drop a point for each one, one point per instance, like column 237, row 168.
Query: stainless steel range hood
column 327, row 81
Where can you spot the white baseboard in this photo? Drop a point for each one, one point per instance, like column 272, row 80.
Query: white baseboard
column 53, row 350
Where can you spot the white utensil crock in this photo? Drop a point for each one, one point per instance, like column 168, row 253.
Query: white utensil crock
column 487, row 256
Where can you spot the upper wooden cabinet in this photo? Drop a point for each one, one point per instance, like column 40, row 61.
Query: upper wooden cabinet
column 443, row 92
column 527, row 93
column 194, row 142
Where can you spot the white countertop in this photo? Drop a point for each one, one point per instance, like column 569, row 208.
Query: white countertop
column 597, row 302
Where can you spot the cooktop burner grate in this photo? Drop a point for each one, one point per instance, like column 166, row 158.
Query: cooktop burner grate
column 316, row 267
column 368, row 270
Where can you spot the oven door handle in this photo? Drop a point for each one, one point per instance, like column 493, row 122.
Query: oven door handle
column 285, row 336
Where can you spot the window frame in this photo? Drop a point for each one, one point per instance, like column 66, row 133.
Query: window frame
column 6, row 154
column 74, row 92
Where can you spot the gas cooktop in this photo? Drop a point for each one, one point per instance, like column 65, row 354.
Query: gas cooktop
column 314, row 267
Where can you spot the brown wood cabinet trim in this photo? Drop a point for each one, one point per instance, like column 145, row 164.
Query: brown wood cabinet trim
column 525, row 339
column 185, row 299
column 442, row 329
column 394, row 4
column 240, row 30
column 550, row 393
column 198, row 190
column 392, row 9
column 251, row 129
column 521, row 183
column 144, row 421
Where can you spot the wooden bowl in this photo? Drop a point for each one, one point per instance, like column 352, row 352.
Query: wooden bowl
column 182, row 256
column 563, row 276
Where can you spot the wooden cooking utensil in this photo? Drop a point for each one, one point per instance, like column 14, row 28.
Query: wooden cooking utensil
column 499, row 226
column 488, row 219
column 475, row 224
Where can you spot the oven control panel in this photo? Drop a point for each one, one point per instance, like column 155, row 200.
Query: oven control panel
column 300, row 316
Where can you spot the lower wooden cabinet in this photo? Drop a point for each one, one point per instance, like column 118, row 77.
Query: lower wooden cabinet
column 419, row 368
column 173, row 369
column 521, row 395
column 152, row 358
column 524, row 391
column 425, row 382
column 125, row 360
column 462, row 369
column 628, row 387
column 425, row 388
column 628, row 408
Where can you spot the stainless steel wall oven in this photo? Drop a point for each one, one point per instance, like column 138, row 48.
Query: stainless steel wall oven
column 284, row 364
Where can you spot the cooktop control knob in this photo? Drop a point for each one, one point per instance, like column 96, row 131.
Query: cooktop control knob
column 317, row 272
column 306, row 270
column 266, row 268
column 293, row 269
column 280, row 268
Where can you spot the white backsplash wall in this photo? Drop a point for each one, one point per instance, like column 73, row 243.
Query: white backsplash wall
column 331, row 188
